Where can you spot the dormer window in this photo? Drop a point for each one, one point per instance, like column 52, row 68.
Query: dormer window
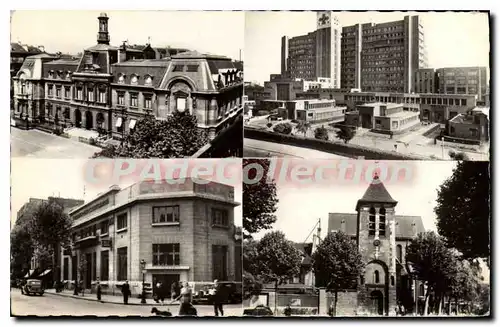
column 148, row 81
column 133, row 80
column 68, row 75
column 51, row 74
column 121, row 79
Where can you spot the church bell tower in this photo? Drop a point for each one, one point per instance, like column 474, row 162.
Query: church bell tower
column 376, row 240
column 103, row 35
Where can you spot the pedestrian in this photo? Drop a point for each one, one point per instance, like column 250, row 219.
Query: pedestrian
column 162, row 293
column 288, row 311
column 158, row 292
column 75, row 291
column 125, row 292
column 173, row 291
column 186, row 308
column 99, row 291
column 81, row 287
column 218, row 298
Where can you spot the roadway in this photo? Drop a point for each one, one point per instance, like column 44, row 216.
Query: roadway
column 37, row 144
column 259, row 149
column 56, row 305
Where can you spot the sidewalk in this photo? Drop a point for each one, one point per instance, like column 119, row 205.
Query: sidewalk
column 115, row 299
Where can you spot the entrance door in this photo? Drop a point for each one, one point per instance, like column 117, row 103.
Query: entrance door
column 88, row 270
column 377, row 302
column 89, row 120
column 167, row 280
column 74, row 267
column 78, row 118
column 219, row 262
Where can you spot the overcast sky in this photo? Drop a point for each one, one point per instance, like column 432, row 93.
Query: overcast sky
column 452, row 39
column 72, row 31
column 41, row 178
column 300, row 207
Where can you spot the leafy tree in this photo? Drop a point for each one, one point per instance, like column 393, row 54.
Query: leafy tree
column 459, row 156
column 464, row 283
column 463, row 210
column 337, row 264
column 259, row 199
column 433, row 263
column 321, row 133
column 283, row 128
column 345, row 133
column 251, row 285
column 303, row 127
column 277, row 259
column 21, row 248
column 176, row 137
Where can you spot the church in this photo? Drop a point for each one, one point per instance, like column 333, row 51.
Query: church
column 382, row 238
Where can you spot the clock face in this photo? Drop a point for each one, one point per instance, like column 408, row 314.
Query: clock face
column 376, row 242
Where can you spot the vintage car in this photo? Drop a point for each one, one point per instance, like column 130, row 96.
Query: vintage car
column 258, row 311
column 232, row 292
column 33, row 286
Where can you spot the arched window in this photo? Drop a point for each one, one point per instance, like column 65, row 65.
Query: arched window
column 121, row 79
column 376, row 277
column 371, row 223
column 148, row 80
column 399, row 253
column 381, row 222
column 133, row 80
column 392, row 280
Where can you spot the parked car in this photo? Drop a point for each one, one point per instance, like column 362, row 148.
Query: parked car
column 33, row 286
column 258, row 311
column 201, row 291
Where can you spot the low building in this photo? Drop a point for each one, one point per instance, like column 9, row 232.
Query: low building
column 435, row 108
column 473, row 125
column 319, row 115
column 181, row 232
column 312, row 111
column 390, row 118
column 324, row 94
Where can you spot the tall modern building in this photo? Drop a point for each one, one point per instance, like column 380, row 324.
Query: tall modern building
column 383, row 57
column 315, row 55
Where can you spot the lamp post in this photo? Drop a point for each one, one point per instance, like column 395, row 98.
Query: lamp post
column 442, row 147
column 143, row 295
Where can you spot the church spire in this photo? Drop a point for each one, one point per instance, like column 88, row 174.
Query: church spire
column 376, row 193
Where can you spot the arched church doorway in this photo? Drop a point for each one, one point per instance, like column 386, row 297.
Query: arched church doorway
column 377, row 302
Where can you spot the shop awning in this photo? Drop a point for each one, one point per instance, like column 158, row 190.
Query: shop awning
column 132, row 124
column 119, row 122
column 29, row 273
column 46, row 272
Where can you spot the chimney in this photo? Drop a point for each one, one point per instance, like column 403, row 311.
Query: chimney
column 122, row 52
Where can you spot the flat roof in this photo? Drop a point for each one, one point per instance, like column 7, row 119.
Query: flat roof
column 403, row 114
column 375, row 104
column 324, row 109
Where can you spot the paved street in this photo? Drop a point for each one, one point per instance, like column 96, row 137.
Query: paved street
column 37, row 144
column 56, row 305
column 257, row 148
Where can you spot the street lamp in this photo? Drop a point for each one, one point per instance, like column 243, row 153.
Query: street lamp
column 442, row 147
column 143, row 295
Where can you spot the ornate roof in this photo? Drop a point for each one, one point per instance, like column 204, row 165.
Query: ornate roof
column 141, row 68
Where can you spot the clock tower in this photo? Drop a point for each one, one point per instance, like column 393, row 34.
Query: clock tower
column 376, row 241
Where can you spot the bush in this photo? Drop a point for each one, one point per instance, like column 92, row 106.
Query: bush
column 459, row 156
column 346, row 133
column 321, row 133
column 269, row 125
column 58, row 131
column 283, row 128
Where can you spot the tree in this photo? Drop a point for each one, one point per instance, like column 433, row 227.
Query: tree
column 463, row 210
column 459, row 156
column 433, row 263
column 303, row 127
column 252, row 285
column 176, row 137
column 283, row 128
column 345, row 133
column 259, row 199
column 464, row 283
column 277, row 259
column 49, row 228
column 337, row 264
column 21, row 247
column 321, row 133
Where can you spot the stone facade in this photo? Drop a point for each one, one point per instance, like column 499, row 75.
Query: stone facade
column 124, row 226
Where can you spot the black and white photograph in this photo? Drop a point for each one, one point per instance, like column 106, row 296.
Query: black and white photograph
column 126, row 84
column 393, row 238
column 85, row 245
column 375, row 85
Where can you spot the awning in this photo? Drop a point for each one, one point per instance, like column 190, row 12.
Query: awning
column 119, row 122
column 44, row 273
column 132, row 124
column 29, row 273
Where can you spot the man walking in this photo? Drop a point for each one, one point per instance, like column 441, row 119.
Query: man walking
column 99, row 291
column 218, row 298
column 126, row 292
